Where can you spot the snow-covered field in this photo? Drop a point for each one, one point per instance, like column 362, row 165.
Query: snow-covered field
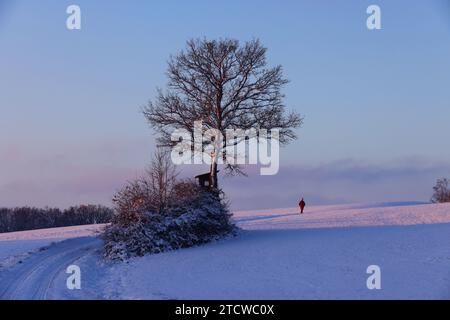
column 53, row 233
column 322, row 254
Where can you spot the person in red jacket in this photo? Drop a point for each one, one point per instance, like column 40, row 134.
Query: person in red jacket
column 302, row 205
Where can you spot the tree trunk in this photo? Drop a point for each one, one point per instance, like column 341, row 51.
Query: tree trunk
column 214, row 172
column 215, row 178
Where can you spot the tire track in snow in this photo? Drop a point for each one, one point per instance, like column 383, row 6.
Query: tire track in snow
column 33, row 278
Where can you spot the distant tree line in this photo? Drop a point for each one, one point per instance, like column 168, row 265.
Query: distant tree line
column 27, row 218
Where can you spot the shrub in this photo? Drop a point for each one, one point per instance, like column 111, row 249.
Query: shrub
column 441, row 191
column 193, row 216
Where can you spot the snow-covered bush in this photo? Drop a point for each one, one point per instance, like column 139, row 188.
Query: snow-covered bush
column 441, row 191
column 193, row 216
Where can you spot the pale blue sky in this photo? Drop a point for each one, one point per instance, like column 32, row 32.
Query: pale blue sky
column 71, row 131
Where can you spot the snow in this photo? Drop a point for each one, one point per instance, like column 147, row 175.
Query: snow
column 35, row 278
column 17, row 246
column 279, row 254
column 11, row 252
column 53, row 233
column 307, row 264
column 377, row 214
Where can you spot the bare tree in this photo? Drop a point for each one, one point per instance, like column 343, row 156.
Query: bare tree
column 441, row 191
column 225, row 85
column 163, row 175
column 150, row 193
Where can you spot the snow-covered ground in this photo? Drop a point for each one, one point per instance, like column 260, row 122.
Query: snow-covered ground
column 322, row 254
column 16, row 246
column 371, row 214
column 53, row 233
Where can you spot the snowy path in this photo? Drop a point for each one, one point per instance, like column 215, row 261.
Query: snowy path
column 33, row 278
